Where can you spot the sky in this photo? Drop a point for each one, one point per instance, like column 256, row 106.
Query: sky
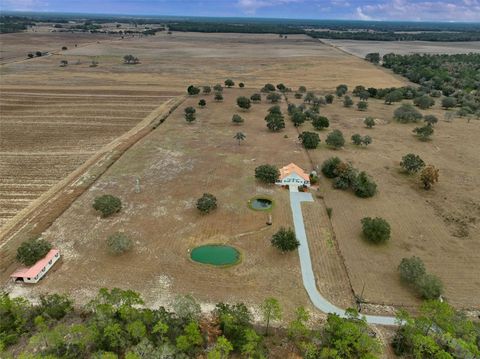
column 404, row 10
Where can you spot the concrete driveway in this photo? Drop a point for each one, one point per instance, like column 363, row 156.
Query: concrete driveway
column 296, row 198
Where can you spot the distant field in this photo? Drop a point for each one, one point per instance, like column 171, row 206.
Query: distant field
column 361, row 48
column 47, row 133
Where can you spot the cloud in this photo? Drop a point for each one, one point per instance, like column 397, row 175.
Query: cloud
column 250, row 7
column 23, row 5
column 460, row 10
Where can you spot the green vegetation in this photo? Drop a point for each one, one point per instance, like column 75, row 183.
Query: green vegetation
column 229, row 83
column 285, row 240
column 329, row 167
column 430, row 119
column 369, row 122
column 362, row 105
column 240, row 136
column 202, row 103
column 256, row 97
column 274, row 119
column 237, row 119
column 190, row 114
column 207, row 203
column 439, row 331
column 359, row 140
column 193, row 90
column 268, row 88
column 341, row 90
column 206, row 90
column 406, row 113
column 267, row 173
column 347, row 101
column 31, row 251
column 335, row 139
column 364, row 186
column 412, row 163
column 424, row 102
column 274, row 97
column 218, row 97
column 271, row 310
column 310, row 140
column 107, row 204
column 130, row 60
column 373, row 57
column 119, row 243
column 424, row 132
column 376, row 230
column 412, row 271
column 244, row 102
column 320, row 122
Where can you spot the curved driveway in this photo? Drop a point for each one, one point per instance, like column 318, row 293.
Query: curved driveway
column 306, row 264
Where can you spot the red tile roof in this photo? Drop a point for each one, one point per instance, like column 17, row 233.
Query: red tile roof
column 293, row 168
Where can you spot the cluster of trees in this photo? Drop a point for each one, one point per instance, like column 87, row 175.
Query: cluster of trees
column 361, row 140
column 299, row 114
column 412, row 164
column 274, row 119
column 446, row 73
column 412, row 272
column 345, row 176
column 237, row 27
column 116, row 324
column 190, row 114
column 438, row 331
column 130, row 60
column 396, row 36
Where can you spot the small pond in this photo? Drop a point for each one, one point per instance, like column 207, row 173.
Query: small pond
column 260, row 204
column 215, row 254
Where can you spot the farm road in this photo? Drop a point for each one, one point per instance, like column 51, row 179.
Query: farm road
column 321, row 303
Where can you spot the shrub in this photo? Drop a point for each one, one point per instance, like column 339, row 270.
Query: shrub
column 55, row 306
column 364, row 186
column 119, row 243
column 310, row 140
column 38, row 53
column 268, row 88
column 64, row 48
column 329, row 98
column 281, row 87
column 218, row 88
column 376, row 230
column 193, row 90
column 207, row 203
column 407, row 113
column 275, row 110
column 393, row 96
column 244, row 102
column 341, row 90
column 362, row 105
column 202, row 103
column 241, row 85
column 206, row 90
column 267, row 173
column 302, row 89
column 285, row 240
column 335, row 139
column 430, row 119
column 31, row 251
column 273, row 97
column 320, row 122
column 424, row 132
column 256, row 97
column 190, row 114
column 130, row 60
column 229, row 83
column 357, row 139
column 366, row 140
column 329, row 167
column 107, row 204
column 236, row 119
column 347, row 101
column 329, row 212
column 218, row 97
column 424, row 102
column 411, row 269
column 369, row 122
column 429, row 286
column 412, row 163
column 449, row 102
column 30, row 55
column 298, row 95
column 346, row 175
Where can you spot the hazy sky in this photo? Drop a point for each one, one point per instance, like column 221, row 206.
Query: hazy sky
column 416, row 10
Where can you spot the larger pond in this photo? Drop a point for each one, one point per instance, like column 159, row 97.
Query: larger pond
column 215, row 254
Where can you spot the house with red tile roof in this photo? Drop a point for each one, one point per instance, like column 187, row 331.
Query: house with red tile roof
column 293, row 176
column 34, row 273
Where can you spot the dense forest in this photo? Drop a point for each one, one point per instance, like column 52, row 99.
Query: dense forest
column 116, row 324
column 10, row 24
column 397, row 36
column 234, row 28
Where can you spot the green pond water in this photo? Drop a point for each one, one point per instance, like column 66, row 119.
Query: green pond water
column 261, row 204
column 217, row 255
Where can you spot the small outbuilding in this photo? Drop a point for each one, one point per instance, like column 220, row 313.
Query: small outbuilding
column 34, row 273
column 293, row 176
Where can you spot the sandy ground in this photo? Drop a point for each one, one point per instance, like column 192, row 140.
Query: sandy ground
column 361, row 48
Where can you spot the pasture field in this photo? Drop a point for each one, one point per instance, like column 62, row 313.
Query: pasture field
column 48, row 132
